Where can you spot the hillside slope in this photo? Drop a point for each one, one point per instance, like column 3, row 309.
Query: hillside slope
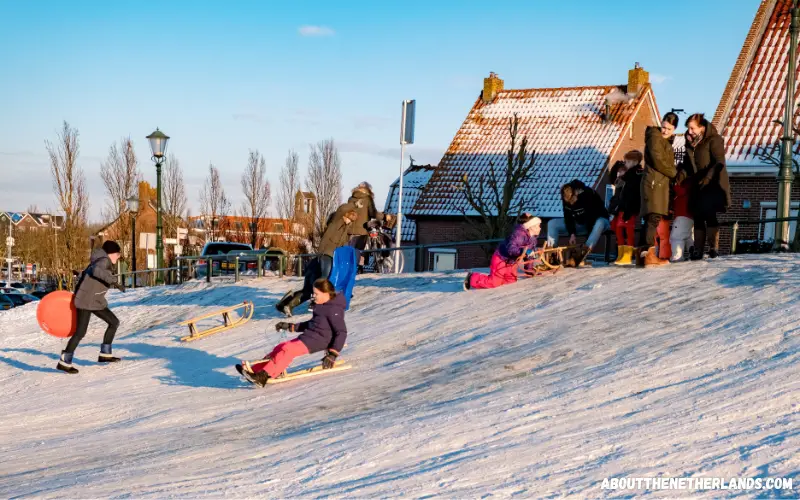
column 541, row 388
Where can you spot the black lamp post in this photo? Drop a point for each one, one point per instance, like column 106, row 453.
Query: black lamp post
column 133, row 208
column 158, row 146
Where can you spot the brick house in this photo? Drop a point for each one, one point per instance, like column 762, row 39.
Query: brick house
column 269, row 231
column 752, row 101
column 577, row 133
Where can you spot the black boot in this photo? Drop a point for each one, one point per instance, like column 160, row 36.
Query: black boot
column 105, row 355
column 713, row 242
column 699, row 244
column 289, row 302
column 65, row 363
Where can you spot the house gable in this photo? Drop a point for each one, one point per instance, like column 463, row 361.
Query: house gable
column 574, row 131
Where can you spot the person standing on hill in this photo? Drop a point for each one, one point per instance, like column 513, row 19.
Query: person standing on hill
column 506, row 260
column 711, row 190
column 659, row 170
column 90, row 298
column 584, row 214
column 335, row 236
column 629, row 206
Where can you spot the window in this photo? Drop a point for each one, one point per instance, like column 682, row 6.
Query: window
column 278, row 227
column 769, row 210
column 308, row 205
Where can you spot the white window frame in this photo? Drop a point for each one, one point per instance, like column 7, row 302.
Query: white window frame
column 773, row 205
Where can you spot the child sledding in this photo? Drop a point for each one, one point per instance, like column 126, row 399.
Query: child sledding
column 326, row 331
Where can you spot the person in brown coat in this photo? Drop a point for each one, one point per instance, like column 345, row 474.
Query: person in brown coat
column 659, row 170
column 710, row 187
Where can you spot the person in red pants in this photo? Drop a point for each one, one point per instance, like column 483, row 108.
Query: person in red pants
column 504, row 266
column 326, row 331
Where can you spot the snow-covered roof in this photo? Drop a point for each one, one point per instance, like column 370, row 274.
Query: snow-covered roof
column 414, row 180
column 755, row 95
column 567, row 127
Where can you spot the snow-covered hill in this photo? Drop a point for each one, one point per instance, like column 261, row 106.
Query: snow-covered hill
column 542, row 388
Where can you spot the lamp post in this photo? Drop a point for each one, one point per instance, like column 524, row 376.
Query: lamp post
column 785, row 175
column 214, row 224
column 158, row 146
column 133, row 208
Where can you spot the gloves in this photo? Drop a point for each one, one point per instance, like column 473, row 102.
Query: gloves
column 284, row 326
column 329, row 360
column 120, row 287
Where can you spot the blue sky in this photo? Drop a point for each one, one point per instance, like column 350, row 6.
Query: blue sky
column 224, row 77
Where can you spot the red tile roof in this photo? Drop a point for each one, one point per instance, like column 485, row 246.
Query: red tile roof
column 566, row 126
column 756, row 92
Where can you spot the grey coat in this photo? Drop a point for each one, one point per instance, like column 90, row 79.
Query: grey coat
column 95, row 282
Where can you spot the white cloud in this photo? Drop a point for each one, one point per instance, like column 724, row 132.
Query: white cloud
column 315, row 31
column 659, row 79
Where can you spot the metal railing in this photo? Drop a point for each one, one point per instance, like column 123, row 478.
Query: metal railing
column 237, row 258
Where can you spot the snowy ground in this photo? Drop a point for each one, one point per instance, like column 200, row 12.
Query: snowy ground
column 543, row 388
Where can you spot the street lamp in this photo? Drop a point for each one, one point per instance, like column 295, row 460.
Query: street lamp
column 785, row 174
column 133, row 208
column 158, row 146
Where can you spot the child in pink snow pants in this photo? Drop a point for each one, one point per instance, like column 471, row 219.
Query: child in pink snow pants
column 505, row 261
column 326, row 331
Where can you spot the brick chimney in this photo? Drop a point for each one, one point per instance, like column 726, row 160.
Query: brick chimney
column 638, row 78
column 491, row 87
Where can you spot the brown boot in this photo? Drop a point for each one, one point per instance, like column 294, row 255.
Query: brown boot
column 651, row 258
column 713, row 242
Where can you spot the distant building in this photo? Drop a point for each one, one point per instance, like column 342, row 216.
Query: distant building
column 577, row 133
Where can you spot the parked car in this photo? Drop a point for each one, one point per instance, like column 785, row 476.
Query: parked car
column 9, row 290
column 39, row 294
column 219, row 266
column 5, row 303
column 20, row 299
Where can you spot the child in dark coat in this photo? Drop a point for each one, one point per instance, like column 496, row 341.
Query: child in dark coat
column 504, row 266
column 90, row 299
column 325, row 332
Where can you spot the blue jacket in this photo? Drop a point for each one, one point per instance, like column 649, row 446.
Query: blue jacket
column 513, row 246
column 326, row 329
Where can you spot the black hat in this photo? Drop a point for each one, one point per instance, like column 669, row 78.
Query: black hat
column 110, row 247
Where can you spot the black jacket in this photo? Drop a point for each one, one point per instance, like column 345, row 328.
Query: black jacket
column 711, row 187
column 587, row 209
column 631, row 196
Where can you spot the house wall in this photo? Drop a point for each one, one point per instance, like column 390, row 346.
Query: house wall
column 432, row 230
column 758, row 190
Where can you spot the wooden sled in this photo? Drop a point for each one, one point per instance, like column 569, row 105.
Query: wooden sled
column 308, row 372
column 228, row 323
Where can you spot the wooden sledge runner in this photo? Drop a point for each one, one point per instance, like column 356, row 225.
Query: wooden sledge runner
column 228, row 323
column 294, row 375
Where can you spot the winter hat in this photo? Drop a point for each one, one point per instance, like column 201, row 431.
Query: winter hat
column 534, row 221
column 110, row 247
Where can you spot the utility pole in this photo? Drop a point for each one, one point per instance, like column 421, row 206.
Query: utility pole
column 9, row 244
column 786, row 175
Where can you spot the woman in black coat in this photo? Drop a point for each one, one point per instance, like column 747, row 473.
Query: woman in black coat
column 710, row 187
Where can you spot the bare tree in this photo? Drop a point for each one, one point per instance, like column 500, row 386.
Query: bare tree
column 324, row 180
column 257, row 195
column 69, row 185
column 174, row 200
column 121, row 175
column 213, row 202
column 495, row 197
column 289, row 186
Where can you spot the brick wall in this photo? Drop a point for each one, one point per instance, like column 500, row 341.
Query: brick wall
column 756, row 190
column 442, row 230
